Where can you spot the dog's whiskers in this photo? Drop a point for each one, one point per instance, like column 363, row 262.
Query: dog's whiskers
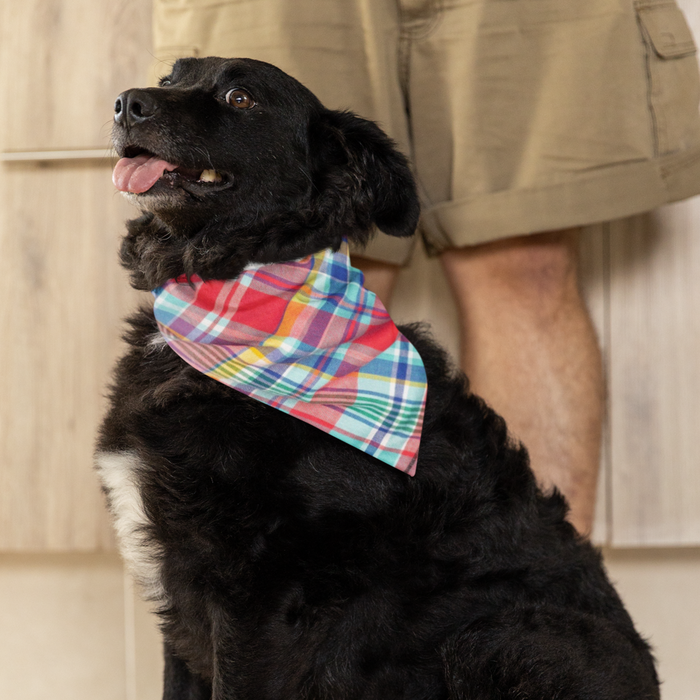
column 205, row 152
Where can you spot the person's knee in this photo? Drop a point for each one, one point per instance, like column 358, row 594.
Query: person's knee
column 539, row 271
column 538, row 266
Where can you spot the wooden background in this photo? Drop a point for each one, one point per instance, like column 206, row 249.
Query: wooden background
column 62, row 63
column 63, row 296
column 71, row 627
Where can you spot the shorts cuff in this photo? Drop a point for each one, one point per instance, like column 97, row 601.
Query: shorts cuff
column 387, row 249
column 617, row 192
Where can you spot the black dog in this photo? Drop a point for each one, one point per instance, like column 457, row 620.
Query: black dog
column 284, row 563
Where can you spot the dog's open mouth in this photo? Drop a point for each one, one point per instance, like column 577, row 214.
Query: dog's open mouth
column 138, row 172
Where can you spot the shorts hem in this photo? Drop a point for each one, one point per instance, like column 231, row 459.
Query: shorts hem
column 386, row 249
column 617, row 192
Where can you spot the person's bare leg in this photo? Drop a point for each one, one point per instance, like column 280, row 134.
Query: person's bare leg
column 380, row 277
column 529, row 348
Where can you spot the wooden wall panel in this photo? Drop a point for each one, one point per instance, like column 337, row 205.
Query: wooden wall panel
column 63, row 298
column 655, row 377
column 691, row 9
column 653, row 367
column 63, row 63
column 144, row 646
column 62, row 628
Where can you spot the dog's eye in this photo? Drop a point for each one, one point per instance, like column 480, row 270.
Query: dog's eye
column 240, row 99
column 163, row 82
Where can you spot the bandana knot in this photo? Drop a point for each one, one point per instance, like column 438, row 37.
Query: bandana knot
column 306, row 338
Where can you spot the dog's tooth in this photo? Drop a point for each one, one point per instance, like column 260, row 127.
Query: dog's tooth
column 209, row 176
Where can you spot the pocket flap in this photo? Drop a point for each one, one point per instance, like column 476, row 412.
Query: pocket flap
column 666, row 28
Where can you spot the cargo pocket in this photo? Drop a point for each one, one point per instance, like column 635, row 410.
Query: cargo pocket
column 672, row 72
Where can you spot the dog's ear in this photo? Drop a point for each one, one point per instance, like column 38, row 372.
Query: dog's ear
column 360, row 176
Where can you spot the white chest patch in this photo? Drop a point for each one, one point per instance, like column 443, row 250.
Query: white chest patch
column 119, row 474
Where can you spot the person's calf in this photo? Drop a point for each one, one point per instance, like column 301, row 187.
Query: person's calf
column 529, row 348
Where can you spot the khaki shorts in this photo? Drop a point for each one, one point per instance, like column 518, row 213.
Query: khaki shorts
column 519, row 116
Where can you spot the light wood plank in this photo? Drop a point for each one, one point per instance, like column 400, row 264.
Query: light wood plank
column 62, row 627
column 691, row 9
column 144, row 646
column 63, row 299
column 654, row 490
column 660, row 587
column 99, row 154
column 62, row 64
column 655, row 377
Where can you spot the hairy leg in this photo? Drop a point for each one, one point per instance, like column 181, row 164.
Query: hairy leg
column 529, row 348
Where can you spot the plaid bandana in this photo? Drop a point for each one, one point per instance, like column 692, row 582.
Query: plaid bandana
column 308, row 339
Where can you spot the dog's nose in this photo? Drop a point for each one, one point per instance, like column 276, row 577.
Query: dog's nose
column 133, row 107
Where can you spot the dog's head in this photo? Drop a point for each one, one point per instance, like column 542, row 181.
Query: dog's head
column 232, row 161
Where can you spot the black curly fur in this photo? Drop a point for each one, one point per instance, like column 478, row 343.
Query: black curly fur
column 295, row 566
column 303, row 177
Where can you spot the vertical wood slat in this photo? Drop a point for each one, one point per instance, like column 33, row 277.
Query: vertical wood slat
column 655, row 372
column 144, row 646
column 655, row 377
column 63, row 299
column 61, row 66
column 45, row 112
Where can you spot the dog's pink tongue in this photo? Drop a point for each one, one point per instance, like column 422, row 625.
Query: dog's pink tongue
column 139, row 174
